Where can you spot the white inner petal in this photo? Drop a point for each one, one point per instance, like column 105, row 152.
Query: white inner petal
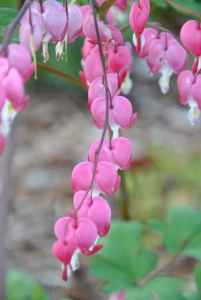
column 164, row 80
column 115, row 131
column 199, row 63
column 59, row 50
column 8, row 115
column 194, row 112
column 75, row 264
column 134, row 40
column 127, row 85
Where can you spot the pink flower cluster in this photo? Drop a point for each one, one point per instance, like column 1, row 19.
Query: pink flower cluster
column 39, row 26
column 106, row 64
column 97, row 177
column 162, row 52
column 189, row 81
column 117, row 54
column 16, row 68
column 48, row 23
column 165, row 56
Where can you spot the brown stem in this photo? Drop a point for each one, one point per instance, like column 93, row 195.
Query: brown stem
column 105, row 7
column 161, row 269
column 5, row 194
column 125, row 214
column 11, row 28
column 183, row 9
column 164, row 268
column 61, row 74
column 107, row 104
column 41, row 6
column 20, row 3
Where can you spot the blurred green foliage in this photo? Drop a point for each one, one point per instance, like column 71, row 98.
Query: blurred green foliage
column 166, row 179
column 125, row 262
column 21, row 286
column 188, row 7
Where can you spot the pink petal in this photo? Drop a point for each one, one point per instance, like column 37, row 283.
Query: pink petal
column 86, row 234
column 122, row 113
column 100, row 214
column 184, row 83
column 107, row 178
column 82, row 176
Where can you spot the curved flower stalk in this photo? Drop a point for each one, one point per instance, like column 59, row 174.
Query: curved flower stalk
column 162, row 52
column 106, row 65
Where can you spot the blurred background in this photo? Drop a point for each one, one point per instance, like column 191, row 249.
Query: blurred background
column 54, row 133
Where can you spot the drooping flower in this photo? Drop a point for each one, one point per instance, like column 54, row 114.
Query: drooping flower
column 107, row 179
column 118, row 151
column 190, row 36
column 120, row 112
column 166, row 57
column 95, row 208
column 189, row 86
column 13, row 85
column 20, row 58
column 138, row 18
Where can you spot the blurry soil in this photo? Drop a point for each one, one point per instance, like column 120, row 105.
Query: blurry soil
column 52, row 135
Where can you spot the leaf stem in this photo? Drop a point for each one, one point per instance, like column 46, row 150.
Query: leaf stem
column 183, row 9
column 63, row 75
column 105, row 7
column 163, row 268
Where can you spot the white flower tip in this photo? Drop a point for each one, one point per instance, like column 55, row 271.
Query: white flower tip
column 199, row 63
column 8, row 115
column 75, row 264
column 193, row 113
column 115, row 131
column 164, row 80
column 59, row 50
column 45, row 52
column 134, row 40
column 126, row 85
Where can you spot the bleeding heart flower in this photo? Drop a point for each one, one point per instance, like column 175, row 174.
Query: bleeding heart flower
column 97, row 87
column 19, row 57
column 138, row 18
column 90, row 31
column 14, row 88
column 118, row 151
column 166, row 57
column 95, row 208
column 119, row 58
column 190, row 36
column 120, row 113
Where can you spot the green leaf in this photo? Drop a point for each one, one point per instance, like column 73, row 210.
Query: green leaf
column 183, row 223
column 161, row 288
column 20, row 286
column 187, row 7
column 123, row 260
column 193, row 248
column 193, row 296
column 159, row 3
column 197, row 274
column 6, row 16
column 156, row 225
